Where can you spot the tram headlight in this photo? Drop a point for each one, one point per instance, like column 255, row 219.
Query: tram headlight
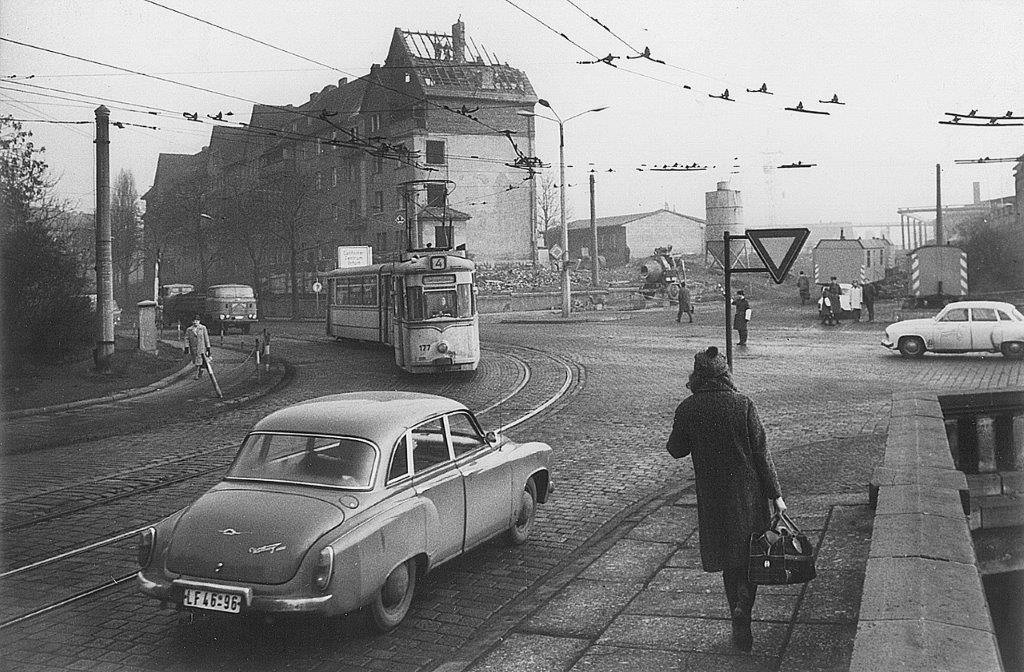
column 147, row 541
column 442, row 347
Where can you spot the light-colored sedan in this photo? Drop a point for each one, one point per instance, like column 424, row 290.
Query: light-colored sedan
column 963, row 326
column 340, row 503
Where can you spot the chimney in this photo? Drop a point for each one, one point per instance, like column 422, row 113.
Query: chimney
column 342, row 82
column 977, row 193
column 312, row 96
column 459, row 41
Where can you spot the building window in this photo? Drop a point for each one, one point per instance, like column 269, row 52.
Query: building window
column 435, row 195
column 378, row 201
column 334, row 213
column 319, row 147
column 334, row 176
column 374, row 123
column 319, row 181
column 353, row 210
column 353, row 172
column 435, row 152
column 378, row 164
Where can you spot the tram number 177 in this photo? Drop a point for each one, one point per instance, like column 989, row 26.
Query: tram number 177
column 425, row 347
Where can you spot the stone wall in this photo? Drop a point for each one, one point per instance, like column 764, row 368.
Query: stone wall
column 923, row 605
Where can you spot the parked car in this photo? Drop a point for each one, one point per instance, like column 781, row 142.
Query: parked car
column 341, row 503
column 963, row 326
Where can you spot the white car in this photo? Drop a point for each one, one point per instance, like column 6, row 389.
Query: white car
column 963, row 326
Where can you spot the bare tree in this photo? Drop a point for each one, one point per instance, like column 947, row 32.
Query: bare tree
column 126, row 231
column 294, row 221
column 548, row 215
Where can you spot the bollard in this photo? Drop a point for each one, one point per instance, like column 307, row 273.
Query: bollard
column 266, row 350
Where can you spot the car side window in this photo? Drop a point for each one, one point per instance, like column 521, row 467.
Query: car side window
column 984, row 315
column 1004, row 317
column 429, row 447
column 955, row 315
column 464, row 434
column 399, row 461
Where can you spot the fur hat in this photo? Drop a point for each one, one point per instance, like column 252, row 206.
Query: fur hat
column 709, row 364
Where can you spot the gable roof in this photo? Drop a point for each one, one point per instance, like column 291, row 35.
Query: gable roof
column 622, row 220
column 172, row 170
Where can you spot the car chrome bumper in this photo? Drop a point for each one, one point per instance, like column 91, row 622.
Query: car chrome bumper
column 164, row 590
column 889, row 344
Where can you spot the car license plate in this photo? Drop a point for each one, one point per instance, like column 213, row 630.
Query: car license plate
column 206, row 599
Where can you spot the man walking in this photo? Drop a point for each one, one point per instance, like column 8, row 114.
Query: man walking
column 197, row 344
column 685, row 303
column 803, row 284
column 739, row 322
column 869, row 296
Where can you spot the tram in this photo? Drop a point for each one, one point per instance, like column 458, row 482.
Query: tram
column 423, row 306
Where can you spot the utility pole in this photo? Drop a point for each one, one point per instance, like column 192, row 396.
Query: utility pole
column 595, row 274
column 938, row 204
column 104, row 352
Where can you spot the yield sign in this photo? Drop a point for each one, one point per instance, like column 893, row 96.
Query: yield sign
column 778, row 248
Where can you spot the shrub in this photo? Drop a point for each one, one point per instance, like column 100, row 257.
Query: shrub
column 45, row 316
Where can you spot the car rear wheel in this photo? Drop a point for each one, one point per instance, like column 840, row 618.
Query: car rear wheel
column 1012, row 349
column 911, row 346
column 526, row 512
column 391, row 603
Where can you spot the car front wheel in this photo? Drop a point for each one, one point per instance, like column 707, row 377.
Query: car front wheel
column 911, row 346
column 392, row 601
column 1012, row 349
column 526, row 512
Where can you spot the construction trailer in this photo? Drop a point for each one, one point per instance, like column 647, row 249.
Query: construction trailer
column 848, row 260
column 938, row 275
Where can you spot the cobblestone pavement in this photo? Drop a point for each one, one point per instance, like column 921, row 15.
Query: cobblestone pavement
column 611, row 579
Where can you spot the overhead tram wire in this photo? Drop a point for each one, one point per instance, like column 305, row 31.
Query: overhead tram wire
column 289, row 110
column 261, row 131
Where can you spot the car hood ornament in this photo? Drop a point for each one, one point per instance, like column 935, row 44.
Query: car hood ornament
column 229, row 532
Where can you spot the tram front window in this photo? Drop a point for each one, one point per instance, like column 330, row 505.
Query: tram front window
column 439, row 304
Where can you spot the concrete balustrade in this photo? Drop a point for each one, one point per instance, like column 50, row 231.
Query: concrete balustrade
column 923, row 605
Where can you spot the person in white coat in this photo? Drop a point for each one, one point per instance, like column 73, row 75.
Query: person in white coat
column 197, row 343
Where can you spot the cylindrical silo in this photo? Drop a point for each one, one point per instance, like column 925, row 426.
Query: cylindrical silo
column 724, row 212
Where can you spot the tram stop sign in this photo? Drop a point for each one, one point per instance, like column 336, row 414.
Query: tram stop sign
column 777, row 248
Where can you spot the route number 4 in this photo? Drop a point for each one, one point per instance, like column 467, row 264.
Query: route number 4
column 438, row 263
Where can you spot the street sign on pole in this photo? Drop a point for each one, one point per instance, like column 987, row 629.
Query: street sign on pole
column 777, row 248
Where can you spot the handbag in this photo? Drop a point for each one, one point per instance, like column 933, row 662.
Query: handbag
column 781, row 554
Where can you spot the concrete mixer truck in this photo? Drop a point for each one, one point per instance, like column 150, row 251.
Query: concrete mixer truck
column 661, row 274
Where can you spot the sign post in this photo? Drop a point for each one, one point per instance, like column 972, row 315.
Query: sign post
column 777, row 249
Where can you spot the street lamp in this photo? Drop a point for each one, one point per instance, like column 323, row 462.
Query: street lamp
column 566, row 291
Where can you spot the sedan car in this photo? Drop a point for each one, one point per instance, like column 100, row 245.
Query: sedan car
column 963, row 326
column 340, row 503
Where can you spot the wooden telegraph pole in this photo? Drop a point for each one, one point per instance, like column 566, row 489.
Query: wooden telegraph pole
column 104, row 352
column 595, row 273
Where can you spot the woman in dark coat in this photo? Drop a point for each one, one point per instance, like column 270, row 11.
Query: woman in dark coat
column 737, row 486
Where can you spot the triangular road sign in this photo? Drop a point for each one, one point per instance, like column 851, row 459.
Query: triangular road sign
column 778, row 248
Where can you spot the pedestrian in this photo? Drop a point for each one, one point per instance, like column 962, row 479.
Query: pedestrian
column 739, row 322
column 870, row 294
column 685, row 302
column 735, row 479
column 803, row 284
column 835, row 292
column 856, row 297
column 198, row 344
column 825, row 311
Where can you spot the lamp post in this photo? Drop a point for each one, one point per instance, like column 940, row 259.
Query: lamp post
column 202, row 247
column 566, row 290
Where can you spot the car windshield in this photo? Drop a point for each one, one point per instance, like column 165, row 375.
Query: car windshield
column 231, row 292
column 300, row 458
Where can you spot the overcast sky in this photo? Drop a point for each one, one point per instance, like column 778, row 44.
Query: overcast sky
column 898, row 66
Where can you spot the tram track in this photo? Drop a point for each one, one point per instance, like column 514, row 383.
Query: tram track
column 112, row 558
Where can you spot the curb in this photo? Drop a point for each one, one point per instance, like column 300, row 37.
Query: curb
column 117, row 396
